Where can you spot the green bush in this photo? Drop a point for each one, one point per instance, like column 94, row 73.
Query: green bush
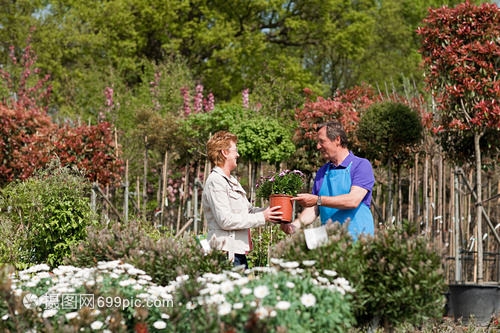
column 398, row 278
column 52, row 209
column 13, row 239
column 271, row 301
column 163, row 258
column 125, row 300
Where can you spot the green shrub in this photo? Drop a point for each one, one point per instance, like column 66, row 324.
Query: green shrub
column 398, row 278
column 125, row 300
column 272, row 301
column 13, row 238
column 163, row 258
column 52, row 209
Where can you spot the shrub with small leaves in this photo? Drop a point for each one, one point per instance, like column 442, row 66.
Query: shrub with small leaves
column 163, row 259
column 398, row 278
column 52, row 209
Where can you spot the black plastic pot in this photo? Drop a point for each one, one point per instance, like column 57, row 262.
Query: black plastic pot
column 478, row 300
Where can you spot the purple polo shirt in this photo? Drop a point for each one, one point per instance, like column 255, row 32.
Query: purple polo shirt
column 361, row 175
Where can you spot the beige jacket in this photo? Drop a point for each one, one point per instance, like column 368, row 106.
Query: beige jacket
column 228, row 212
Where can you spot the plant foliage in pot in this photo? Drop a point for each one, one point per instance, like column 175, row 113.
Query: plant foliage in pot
column 280, row 188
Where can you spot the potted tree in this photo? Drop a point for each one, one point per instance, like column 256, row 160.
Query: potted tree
column 460, row 53
column 280, row 188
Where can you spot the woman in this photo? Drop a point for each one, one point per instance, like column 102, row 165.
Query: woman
column 226, row 207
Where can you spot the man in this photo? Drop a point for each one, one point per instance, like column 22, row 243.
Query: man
column 342, row 188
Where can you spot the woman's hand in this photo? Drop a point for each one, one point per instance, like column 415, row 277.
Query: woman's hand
column 271, row 214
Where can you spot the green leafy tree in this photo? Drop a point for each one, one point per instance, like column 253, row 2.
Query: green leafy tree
column 388, row 131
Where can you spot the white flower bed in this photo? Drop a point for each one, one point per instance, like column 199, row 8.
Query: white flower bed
column 124, row 297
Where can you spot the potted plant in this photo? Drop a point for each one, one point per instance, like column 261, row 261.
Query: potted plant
column 280, row 188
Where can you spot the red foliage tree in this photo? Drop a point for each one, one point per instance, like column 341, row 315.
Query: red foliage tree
column 345, row 107
column 24, row 137
column 29, row 138
column 461, row 53
column 91, row 148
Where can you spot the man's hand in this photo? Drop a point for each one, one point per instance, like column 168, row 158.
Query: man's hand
column 306, row 200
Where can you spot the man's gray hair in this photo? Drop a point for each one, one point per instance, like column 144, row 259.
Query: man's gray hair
column 334, row 129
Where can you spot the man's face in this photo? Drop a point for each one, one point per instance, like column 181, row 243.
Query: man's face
column 327, row 147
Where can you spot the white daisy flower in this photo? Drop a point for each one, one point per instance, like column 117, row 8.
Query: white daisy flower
column 165, row 316
column 323, row 279
column 261, row 291
column 308, row 300
column 290, row 284
column 238, row 306
column 283, row 305
column 242, row 281
column 49, row 313
column 261, row 312
column 137, row 287
column 71, row 315
column 218, row 298
column 276, row 261
column 290, row 264
column 226, row 287
column 96, row 325
column 224, row 309
column 245, row 291
column 328, row 272
column 308, row 262
column 190, row 305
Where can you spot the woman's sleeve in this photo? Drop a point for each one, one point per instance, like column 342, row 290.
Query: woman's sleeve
column 217, row 197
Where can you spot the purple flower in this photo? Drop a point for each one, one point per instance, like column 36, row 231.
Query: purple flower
column 298, row 172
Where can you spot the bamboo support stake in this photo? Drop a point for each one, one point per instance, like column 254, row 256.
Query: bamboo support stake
column 416, row 211
column 206, row 172
column 426, row 194
column 410, row 196
column 145, row 179
column 164, row 189
column 138, row 195
column 439, row 221
column 125, row 201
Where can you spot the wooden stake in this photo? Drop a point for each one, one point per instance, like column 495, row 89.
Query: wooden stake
column 125, row 201
column 145, row 179
column 164, row 189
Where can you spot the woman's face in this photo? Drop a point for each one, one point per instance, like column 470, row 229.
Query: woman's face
column 231, row 156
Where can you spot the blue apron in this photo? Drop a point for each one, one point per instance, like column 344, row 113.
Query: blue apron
column 338, row 182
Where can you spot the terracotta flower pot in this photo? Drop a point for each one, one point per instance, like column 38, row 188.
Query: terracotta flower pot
column 285, row 203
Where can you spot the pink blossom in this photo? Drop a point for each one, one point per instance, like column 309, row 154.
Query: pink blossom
column 245, row 96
